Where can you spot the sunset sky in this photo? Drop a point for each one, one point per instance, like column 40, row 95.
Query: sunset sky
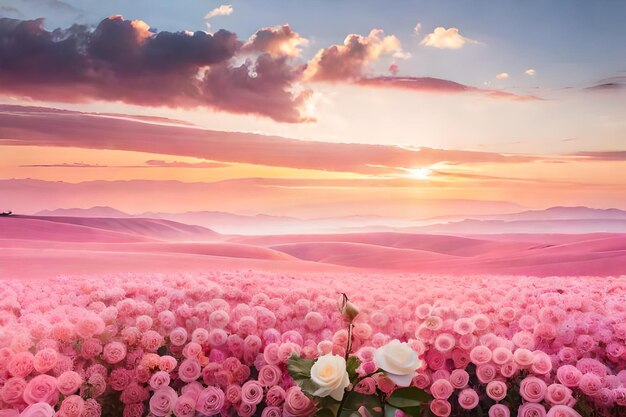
column 312, row 108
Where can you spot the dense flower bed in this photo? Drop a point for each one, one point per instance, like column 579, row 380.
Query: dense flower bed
column 215, row 343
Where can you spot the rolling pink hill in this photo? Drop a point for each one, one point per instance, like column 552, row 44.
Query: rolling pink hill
column 32, row 246
column 148, row 228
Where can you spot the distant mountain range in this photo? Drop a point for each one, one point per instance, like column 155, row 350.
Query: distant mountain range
column 551, row 220
column 230, row 223
column 98, row 211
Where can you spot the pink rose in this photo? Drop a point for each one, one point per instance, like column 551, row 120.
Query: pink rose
column 134, row 393
column 558, row 394
column 210, row 401
column 192, row 350
column 460, row 357
column 509, row 369
column 90, row 348
column 366, row 386
column 159, row 379
column 485, row 372
column 444, row 342
column 189, row 370
column 590, row 384
column 89, row 326
column 246, row 409
column 163, row 401
column 252, row 393
column 69, row 382
column 569, row 375
column 531, row 410
column 384, row 383
column 120, row 378
column 542, row 364
column 523, row 357
column 21, row 364
column 217, row 337
column 151, row 341
column 45, row 360
column 42, row 409
column 167, row 363
column 133, row 410
column 185, row 406
column 192, row 390
column 533, row 389
column 233, row 394
column 297, row 404
column 440, row 408
column 459, row 378
column 272, row 411
column 421, row 380
column 464, row 326
column 499, row 410
column 562, row 411
column 441, row 389
column 501, row 355
column 468, row 399
column 72, row 406
column 496, row 390
column 178, row 336
column 12, row 390
column 368, row 367
column 92, row 408
column 41, row 389
column 480, row 354
column 114, row 352
column 275, row 396
column 269, row 375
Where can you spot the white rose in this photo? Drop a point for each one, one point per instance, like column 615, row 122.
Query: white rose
column 330, row 375
column 399, row 361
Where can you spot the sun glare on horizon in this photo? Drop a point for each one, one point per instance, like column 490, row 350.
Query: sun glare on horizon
column 419, row 173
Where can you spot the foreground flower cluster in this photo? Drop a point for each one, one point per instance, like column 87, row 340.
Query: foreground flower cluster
column 207, row 344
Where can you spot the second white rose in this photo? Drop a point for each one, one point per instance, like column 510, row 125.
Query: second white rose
column 399, row 361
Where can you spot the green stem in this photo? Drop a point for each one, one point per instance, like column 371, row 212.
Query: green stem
column 347, row 355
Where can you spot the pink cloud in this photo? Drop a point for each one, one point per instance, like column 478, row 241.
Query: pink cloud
column 26, row 126
column 178, row 164
column 349, row 61
column 437, row 85
column 277, row 41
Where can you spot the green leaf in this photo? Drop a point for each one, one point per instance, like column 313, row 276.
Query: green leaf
column 299, row 368
column 162, row 351
column 352, row 363
column 404, row 398
column 324, row 412
column 354, row 401
column 413, row 411
column 390, row 411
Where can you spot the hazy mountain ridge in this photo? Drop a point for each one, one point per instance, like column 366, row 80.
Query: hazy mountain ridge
column 550, row 220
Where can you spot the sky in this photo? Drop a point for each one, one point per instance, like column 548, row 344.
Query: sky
column 312, row 108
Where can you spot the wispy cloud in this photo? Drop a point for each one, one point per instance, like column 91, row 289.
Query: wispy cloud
column 152, row 163
column 23, row 127
column 602, row 155
column 177, row 164
column 65, row 165
column 438, row 85
column 222, row 10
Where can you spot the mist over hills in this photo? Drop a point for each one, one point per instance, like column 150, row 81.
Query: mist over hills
column 551, row 220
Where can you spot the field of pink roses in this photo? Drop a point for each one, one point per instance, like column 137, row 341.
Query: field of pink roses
column 220, row 343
